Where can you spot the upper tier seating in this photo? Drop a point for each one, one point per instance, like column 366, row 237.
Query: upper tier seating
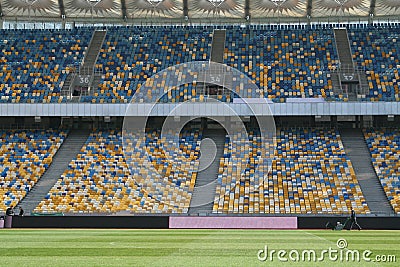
column 24, row 157
column 292, row 62
column 384, row 145
column 99, row 179
column 34, row 68
column 377, row 49
column 310, row 174
column 130, row 55
column 284, row 63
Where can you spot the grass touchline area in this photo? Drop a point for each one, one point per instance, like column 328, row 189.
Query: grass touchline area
column 87, row 247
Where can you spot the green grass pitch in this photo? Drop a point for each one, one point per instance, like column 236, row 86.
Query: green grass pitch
column 85, row 247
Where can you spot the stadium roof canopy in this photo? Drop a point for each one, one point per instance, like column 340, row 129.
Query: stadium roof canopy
column 197, row 10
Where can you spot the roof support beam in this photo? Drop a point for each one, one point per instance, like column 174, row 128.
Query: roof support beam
column 1, row 17
column 247, row 10
column 309, row 9
column 372, row 8
column 62, row 9
column 123, row 7
column 185, row 9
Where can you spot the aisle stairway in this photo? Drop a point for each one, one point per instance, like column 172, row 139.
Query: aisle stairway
column 204, row 190
column 357, row 150
column 67, row 152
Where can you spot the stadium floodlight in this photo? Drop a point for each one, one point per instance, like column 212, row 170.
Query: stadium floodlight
column 216, row 3
column 30, row 2
column 341, row 2
column 278, row 2
column 93, row 2
column 155, row 3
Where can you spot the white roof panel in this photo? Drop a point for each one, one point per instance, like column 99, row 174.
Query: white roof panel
column 198, row 9
column 30, row 8
column 92, row 8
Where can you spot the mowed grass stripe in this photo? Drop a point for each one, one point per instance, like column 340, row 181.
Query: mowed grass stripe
column 178, row 247
column 144, row 252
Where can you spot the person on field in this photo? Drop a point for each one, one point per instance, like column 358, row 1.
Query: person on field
column 353, row 220
column 10, row 211
column 21, row 212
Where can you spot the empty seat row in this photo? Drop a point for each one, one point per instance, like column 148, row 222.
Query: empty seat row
column 309, row 174
column 24, row 157
column 103, row 180
column 384, row 147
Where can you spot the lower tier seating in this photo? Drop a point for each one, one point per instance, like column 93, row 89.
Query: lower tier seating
column 310, row 174
column 24, row 157
column 99, row 179
column 384, row 148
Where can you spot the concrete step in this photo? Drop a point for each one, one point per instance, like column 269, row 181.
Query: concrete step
column 89, row 62
column 65, row 154
column 218, row 46
column 67, row 84
column 94, row 49
column 343, row 46
column 205, row 186
column 356, row 149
